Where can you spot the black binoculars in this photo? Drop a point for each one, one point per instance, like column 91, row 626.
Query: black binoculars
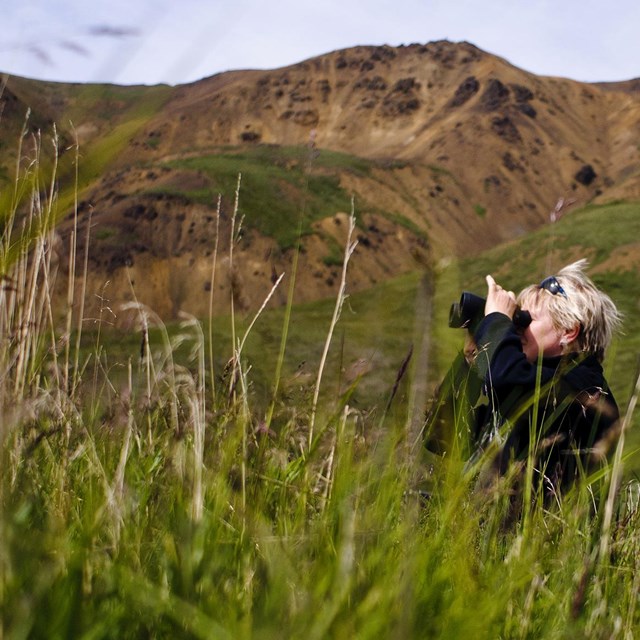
column 467, row 313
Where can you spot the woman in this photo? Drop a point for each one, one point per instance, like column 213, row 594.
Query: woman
column 548, row 375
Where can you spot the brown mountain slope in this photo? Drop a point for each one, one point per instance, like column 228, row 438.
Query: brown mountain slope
column 460, row 150
column 445, row 104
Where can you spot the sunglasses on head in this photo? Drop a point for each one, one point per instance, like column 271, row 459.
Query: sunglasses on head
column 552, row 285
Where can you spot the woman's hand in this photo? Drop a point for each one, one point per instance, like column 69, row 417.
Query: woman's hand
column 499, row 300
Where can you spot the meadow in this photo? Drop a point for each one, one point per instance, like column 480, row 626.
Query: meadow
column 236, row 477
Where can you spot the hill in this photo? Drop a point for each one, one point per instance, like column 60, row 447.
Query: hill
column 445, row 149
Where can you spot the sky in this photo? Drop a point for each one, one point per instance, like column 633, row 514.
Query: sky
column 180, row 41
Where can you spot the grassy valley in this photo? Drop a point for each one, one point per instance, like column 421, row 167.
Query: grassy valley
column 159, row 481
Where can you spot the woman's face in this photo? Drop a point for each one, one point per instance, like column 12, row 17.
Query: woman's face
column 540, row 337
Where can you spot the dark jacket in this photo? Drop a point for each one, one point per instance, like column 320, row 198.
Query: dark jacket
column 566, row 400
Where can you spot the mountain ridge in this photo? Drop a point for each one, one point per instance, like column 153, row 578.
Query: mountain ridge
column 446, row 150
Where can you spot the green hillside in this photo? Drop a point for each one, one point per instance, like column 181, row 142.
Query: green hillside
column 280, row 185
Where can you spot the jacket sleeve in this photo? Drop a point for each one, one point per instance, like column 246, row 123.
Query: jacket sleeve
column 501, row 363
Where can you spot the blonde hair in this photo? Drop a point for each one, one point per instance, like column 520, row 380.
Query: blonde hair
column 584, row 305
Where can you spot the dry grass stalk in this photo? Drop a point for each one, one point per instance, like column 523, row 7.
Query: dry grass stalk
column 350, row 247
column 328, row 477
column 26, row 263
column 73, row 244
column 212, row 282
column 166, row 363
column 257, row 315
column 232, row 241
column 83, row 294
column 118, row 482
column 198, row 409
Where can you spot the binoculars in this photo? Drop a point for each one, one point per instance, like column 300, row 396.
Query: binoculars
column 469, row 311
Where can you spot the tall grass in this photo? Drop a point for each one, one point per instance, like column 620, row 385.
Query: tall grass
column 138, row 500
